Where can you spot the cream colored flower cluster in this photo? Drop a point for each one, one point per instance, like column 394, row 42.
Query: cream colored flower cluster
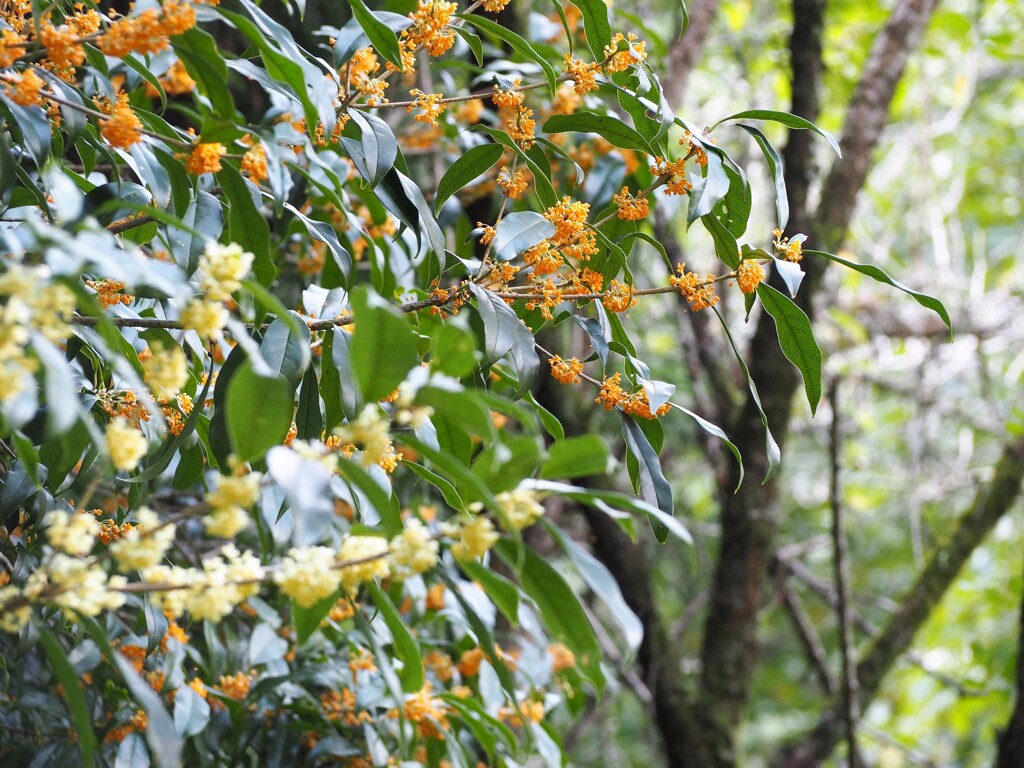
column 521, row 507
column 166, row 371
column 368, row 432
column 76, row 585
column 229, row 503
column 126, row 445
column 32, row 303
column 210, row 592
column 474, row 536
column 221, row 271
column 74, row 532
column 413, row 550
column 145, row 544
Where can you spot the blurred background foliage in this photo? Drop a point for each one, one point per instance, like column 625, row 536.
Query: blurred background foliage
column 921, row 416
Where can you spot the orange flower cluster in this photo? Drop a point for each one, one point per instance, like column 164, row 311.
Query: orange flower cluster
column 429, row 29
column 582, row 75
column 64, row 52
column 123, row 404
column 429, row 104
column 360, row 73
column 149, row 31
column 175, row 417
column 340, row 706
column 254, row 164
column 176, row 80
column 696, row 151
column 618, row 61
column 495, row 6
column 612, row 395
column 700, row 293
column 205, row 158
column 791, row 249
column 631, row 208
column 561, row 657
column 512, row 184
column 674, row 175
column 543, row 258
column 572, row 235
column 11, row 48
column 618, row 297
column 137, row 723
column 233, row 686
column 122, row 128
column 566, row 371
column 108, row 292
column 749, row 274
column 26, row 89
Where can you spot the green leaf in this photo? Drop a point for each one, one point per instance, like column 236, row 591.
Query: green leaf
column 611, row 129
column 404, row 643
column 733, row 210
column 726, row 247
column 603, row 585
column 926, row 301
column 308, row 620
column 717, row 431
column 164, row 742
column 309, row 418
column 285, row 348
column 518, row 231
column 503, row 593
column 204, row 63
column 517, row 44
column 258, row 412
column 191, row 711
column 796, row 339
column 499, row 321
column 383, row 348
column 379, row 147
column 132, row 752
column 74, row 695
column 384, row 501
column 595, row 25
column 380, row 35
column 581, row 456
column 771, row 448
column 548, row 420
column 783, row 118
column 451, row 496
column 246, row 224
column 468, row 484
column 559, row 608
column 653, row 486
column 778, row 177
column 471, row 165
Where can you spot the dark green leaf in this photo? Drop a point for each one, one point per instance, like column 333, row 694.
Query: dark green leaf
column 472, row 164
column 595, row 25
column 577, row 457
column 451, row 496
column 875, row 273
column 611, row 129
column 246, row 224
column 307, row 620
column 74, row 695
column 778, row 177
column 726, row 247
column 517, row 44
column 379, row 145
column 518, row 231
column 380, row 35
column 784, row 118
column 405, row 645
column 653, row 486
column 383, row 348
column 383, row 500
column 285, row 348
column 503, row 593
column 796, row 339
column 559, row 608
column 258, row 411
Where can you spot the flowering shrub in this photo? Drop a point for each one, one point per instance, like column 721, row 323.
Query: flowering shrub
column 269, row 439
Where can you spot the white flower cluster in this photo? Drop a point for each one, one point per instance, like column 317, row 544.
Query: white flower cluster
column 474, row 536
column 369, row 433
column 144, row 545
column 126, row 445
column 308, row 574
column 368, row 555
column 221, row 271
column 32, row 302
column 229, row 503
column 413, row 550
column 166, row 371
column 521, row 507
column 80, row 587
column 74, row 533
column 211, row 592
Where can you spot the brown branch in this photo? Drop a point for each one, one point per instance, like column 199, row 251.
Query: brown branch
column 841, row 563
column 807, row 635
column 1011, row 739
column 992, row 501
column 686, row 52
